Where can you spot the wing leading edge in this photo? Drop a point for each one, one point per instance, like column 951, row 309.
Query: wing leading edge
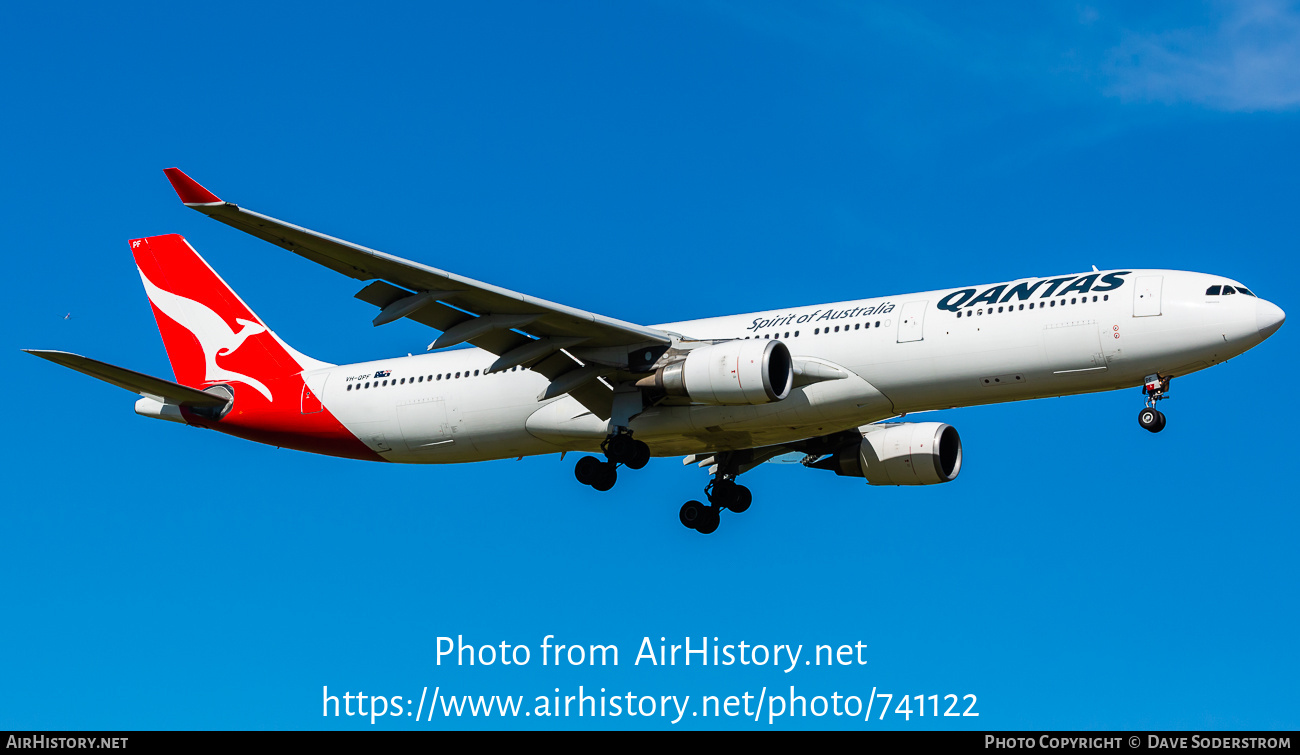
column 522, row 330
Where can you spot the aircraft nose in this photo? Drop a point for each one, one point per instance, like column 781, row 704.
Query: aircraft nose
column 1269, row 317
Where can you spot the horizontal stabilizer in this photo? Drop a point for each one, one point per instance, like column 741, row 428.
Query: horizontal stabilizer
column 161, row 390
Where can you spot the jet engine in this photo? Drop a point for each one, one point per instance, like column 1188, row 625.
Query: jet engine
column 734, row 372
column 900, row 453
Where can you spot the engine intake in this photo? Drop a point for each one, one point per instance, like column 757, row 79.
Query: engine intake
column 901, row 453
column 735, row 372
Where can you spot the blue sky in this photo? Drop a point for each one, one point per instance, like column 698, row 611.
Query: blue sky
column 655, row 162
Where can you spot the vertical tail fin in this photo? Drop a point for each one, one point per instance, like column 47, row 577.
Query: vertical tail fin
column 210, row 334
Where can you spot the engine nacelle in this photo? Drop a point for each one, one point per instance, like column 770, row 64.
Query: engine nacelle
column 735, row 372
column 902, row 453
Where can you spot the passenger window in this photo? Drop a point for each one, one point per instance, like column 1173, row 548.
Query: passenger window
column 349, row 386
column 958, row 315
column 877, row 324
column 796, row 334
column 1229, row 290
column 1031, row 305
column 1022, row 308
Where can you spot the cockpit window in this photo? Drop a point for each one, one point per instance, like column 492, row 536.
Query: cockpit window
column 1213, row 290
column 1229, row 290
column 1241, row 290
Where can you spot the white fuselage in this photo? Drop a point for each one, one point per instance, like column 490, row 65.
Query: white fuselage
column 895, row 355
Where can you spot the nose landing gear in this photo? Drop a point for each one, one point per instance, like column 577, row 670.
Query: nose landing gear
column 1151, row 418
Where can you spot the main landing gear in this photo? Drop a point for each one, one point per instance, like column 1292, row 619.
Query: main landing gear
column 619, row 448
column 724, row 493
column 1151, row 418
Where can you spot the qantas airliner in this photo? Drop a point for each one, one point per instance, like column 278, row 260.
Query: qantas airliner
column 727, row 393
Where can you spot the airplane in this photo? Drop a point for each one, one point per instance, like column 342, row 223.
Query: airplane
column 727, row 393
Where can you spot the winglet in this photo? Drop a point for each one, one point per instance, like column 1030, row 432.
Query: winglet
column 189, row 190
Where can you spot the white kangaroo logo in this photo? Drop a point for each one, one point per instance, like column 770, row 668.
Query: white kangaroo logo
column 214, row 335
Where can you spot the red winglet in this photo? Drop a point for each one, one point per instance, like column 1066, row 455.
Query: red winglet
column 188, row 189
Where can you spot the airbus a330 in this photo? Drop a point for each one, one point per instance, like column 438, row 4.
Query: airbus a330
column 726, row 393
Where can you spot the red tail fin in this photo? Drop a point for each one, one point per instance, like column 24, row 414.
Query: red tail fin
column 210, row 334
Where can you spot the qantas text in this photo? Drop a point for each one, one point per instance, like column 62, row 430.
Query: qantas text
column 1026, row 289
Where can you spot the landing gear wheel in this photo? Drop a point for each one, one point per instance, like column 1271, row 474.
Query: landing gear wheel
column 619, row 448
column 692, row 514
column 1151, row 419
column 709, row 522
column 727, row 494
column 587, row 469
column 741, row 500
column 1160, row 422
column 640, row 455
column 723, row 493
column 607, row 475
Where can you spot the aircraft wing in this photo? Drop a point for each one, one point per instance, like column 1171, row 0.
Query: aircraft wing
column 164, row 391
column 522, row 330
